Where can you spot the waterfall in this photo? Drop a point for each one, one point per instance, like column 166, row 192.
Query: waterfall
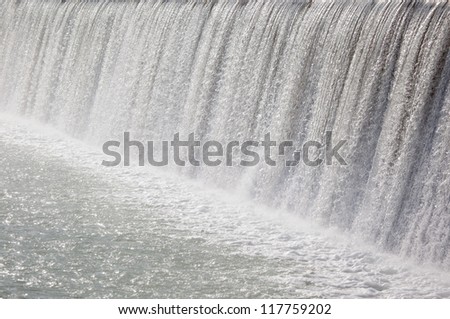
column 375, row 73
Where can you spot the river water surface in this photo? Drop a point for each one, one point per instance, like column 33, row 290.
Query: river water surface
column 72, row 228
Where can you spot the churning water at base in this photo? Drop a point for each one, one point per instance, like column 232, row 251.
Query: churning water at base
column 376, row 73
column 71, row 228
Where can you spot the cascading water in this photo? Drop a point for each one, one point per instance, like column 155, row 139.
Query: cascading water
column 375, row 73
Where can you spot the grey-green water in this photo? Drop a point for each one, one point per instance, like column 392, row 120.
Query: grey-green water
column 72, row 228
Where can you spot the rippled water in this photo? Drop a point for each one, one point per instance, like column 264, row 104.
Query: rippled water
column 72, row 228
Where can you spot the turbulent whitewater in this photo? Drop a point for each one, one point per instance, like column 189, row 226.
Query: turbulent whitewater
column 376, row 73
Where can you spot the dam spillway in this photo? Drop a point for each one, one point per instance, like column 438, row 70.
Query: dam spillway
column 375, row 73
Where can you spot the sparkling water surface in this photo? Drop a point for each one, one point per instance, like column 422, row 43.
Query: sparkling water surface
column 72, row 228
